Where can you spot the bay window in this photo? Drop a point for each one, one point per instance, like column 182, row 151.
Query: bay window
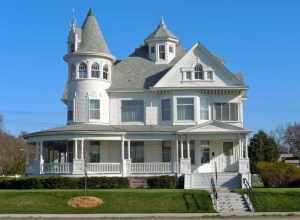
column 166, row 110
column 185, row 108
column 225, row 111
column 94, row 109
column 132, row 110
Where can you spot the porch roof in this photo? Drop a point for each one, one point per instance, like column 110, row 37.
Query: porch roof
column 214, row 127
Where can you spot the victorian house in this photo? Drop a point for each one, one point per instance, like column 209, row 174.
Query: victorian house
column 164, row 110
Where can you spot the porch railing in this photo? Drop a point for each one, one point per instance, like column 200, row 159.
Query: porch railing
column 57, row 168
column 103, row 168
column 151, row 167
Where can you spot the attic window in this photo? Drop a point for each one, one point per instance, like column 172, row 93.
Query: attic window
column 171, row 49
column 209, row 75
column 199, row 74
column 162, row 52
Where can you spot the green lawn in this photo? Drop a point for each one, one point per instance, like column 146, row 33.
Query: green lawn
column 114, row 201
column 276, row 199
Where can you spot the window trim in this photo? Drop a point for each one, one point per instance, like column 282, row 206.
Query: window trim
column 206, row 101
column 89, row 109
column 229, row 110
column 95, row 70
column 160, row 46
column 105, row 70
column 194, row 109
column 170, row 110
column 80, row 71
column 132, row 122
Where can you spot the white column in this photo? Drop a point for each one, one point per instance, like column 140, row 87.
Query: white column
column 75, row 149
column 123, row 164
column 82, row 150
column 41, row 146
column 128, row 150
column 181, row 147
column 122, row 149
column 188, row 147
column 177, row 155
column 246, row 146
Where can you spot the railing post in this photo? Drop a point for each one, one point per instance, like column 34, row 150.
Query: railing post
column 78, row 164
column 41, row 158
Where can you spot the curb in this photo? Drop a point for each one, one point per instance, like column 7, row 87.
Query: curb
column 154, row 215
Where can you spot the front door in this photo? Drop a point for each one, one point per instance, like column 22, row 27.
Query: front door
column 205, row 158
column 228, row 156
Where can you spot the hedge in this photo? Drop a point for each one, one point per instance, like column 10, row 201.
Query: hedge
column 279, row 174
column 63, row 183
column 167, row 182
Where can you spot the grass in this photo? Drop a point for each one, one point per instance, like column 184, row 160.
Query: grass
column 114, row 201
column 276, row 199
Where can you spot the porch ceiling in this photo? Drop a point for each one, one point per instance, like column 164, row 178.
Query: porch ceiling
column 214, row 127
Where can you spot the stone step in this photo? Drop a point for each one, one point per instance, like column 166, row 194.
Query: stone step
column 231, row 202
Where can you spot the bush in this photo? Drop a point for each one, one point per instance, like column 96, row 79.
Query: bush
column 279, row 174
column 167, row 182
column 63, row 183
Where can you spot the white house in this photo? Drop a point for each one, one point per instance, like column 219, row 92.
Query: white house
column 164, row 110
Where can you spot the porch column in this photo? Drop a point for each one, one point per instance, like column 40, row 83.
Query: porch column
column 78, row 164
column 177, row 155
column 181, row 147
column 75, row 149
column 41, row 158
column 123, row 163
column 128, row 150
column 246, row 146
column 188, row 148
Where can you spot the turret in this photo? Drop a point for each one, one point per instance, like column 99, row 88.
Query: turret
column 89, row 73
column 162, row 44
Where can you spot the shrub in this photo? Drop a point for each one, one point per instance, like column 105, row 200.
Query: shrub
column 63, row 183
column 167, row 182
column 279, row 174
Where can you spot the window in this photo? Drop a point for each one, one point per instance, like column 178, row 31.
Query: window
column 94, row 109
column 105, row 72
column 228, row 148
column 204, row 109
column 226, row 111
column 132, row 110
column 95, row 70
column 210, row 75
column 166, row 110
column 94, row 151
column 188, row 75
column 137, row 151
column 83, row 71
column 199, row 74
column 205, row 155
column 152, row 49
column 162, row 52
column 171, row 49
column 185, row 108
column 166, row 151
column 72, row 72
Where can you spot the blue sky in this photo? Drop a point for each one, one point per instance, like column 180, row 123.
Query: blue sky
column 261, row 39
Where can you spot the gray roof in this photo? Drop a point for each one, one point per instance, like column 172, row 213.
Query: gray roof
column 139, row 72
column 161, row 32
column 102, row 129
column 92, row 39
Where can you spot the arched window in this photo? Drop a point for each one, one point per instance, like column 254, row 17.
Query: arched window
column 199, row 74
column 82, row 71
column 105, row 72
column 72, row 72
column 95, row 70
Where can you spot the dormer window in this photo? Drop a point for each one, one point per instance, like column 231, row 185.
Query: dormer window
column 171, row 49
column 162, row 52
column 82, row 71
column 209, row 75
column 105, row 72
column 95, row 70
column 198, row 73
column 188, row 75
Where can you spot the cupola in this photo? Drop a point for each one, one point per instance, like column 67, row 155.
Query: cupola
column 162, row 44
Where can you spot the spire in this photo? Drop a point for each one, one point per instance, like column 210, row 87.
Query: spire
column 161, row 32
column 73, row 22
column 92, row 39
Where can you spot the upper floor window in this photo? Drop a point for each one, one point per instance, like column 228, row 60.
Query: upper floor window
column 204, row 109
column 225, row 111
column 162, row 52
column 198, row 71
column 94, row 109
column 188, row 75
column 166, row 110
column 171, row 49
column 95, row 70
column 152, row 49
column 83, row 71
column 209, row 75
column 105, row 72
column 132, row 110
column 185, row 108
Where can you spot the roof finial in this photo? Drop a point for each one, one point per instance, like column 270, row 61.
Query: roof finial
column 90, row 13
column 162, row 21
column 73, row 22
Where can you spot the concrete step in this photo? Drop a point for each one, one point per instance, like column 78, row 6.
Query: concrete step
column 231, row 202
column 138, row 182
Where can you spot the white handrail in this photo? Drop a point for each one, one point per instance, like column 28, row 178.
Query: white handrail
column 151, row 167
column 57, row 168
column 103, row 167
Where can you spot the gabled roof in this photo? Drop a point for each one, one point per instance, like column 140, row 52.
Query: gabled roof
column 139, row 72
column 214, row 127
column 161, row 32
column 92, row 39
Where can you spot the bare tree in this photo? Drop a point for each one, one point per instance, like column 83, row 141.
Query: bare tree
column 292, row 137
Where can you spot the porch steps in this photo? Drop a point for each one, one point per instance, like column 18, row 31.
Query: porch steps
column 138, row 182
column 228, row 202
column 224, row 180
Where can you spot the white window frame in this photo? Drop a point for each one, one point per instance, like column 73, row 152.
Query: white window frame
column 159, row 52
column 161, row 108
column 98, row 71
column 81, row 71
column 206, row 101
column 89, row 109
column 194, row 109
column 132, row 122
column 229, row 109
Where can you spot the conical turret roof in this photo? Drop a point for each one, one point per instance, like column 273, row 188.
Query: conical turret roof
column 92, row 39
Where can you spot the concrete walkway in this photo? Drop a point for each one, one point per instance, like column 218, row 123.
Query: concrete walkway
column 164, row 216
